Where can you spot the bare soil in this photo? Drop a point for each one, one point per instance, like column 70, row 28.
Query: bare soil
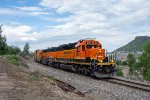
column 19, row 83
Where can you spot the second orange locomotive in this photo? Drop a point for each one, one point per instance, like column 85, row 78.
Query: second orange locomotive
column 85, row 56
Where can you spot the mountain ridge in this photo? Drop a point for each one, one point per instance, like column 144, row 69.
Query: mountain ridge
column 135, row 45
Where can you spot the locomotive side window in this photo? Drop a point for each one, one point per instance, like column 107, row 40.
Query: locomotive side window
column 83, row 47
column 95, row 43
column 100, row 46
column 78, row 49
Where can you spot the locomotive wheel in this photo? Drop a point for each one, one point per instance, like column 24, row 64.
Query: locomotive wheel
column 49, row 63
column 79, row 70
column 46, row 63
column 41, row 61
column 85, row 71
column 92, row 72
column 75, row 68
column 57, row 65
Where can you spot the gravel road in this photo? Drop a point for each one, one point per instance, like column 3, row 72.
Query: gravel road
column 95, row 88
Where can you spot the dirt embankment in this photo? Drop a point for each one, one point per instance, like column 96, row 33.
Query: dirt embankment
column 19, row 83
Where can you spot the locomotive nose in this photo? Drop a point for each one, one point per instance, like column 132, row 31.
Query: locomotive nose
column 100, row 54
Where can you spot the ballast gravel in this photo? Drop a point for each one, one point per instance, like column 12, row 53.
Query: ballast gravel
column 95, row 88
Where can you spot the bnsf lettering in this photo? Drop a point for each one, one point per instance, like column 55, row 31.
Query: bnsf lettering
column 67, row 52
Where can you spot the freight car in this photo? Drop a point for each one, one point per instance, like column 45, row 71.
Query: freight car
column 85, row 56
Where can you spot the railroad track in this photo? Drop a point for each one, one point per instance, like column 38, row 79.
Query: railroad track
column 67, row 87
column 130, row 83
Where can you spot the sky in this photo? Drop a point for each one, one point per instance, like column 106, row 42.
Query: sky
column 48, row 23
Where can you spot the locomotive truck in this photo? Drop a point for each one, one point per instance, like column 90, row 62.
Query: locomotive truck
column 85, row 56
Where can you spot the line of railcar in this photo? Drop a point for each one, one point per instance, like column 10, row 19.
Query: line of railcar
column 85, row 56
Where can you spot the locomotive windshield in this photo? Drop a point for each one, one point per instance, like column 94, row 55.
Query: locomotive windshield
column 89, row 45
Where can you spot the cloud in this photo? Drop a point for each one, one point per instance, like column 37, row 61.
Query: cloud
column 29, row 8
column 116, row 22
column 34, row 11
column 23, row 11
column 19, row 33
column 38, row 13
column 8, row 11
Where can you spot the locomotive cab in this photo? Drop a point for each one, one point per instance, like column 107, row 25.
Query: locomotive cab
column 90, row 49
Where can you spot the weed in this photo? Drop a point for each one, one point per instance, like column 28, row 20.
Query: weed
column 34, row 75
column 51, row 80
column 119, row 71
column 33, row 78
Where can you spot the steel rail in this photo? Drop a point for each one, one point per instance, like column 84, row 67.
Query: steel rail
column 131, row 83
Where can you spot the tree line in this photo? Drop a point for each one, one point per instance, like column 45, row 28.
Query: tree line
column 143, row 66
column 5, row 49
column 138, row 68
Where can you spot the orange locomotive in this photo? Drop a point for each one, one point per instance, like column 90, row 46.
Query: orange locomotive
column 85, row 56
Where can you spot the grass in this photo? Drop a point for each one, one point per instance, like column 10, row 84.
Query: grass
column 51, row 80
column 13, row 59
column 33, row 78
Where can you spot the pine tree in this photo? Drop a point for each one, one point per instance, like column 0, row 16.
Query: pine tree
column 26, row 51
column 131, row 61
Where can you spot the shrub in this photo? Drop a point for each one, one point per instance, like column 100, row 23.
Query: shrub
column 124, row 63
column 119, row 71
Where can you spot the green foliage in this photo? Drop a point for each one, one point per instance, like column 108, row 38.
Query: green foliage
column 131, row 61
column 119, row 71
column 145, row 60
column 14, row 59
column 3, row 45
column 26, row 51
column 118, row 62
column 124, row 63
column 146, row 74
column 137, row 66
column 31, row 54
column 14, row 50
column 5, row 49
